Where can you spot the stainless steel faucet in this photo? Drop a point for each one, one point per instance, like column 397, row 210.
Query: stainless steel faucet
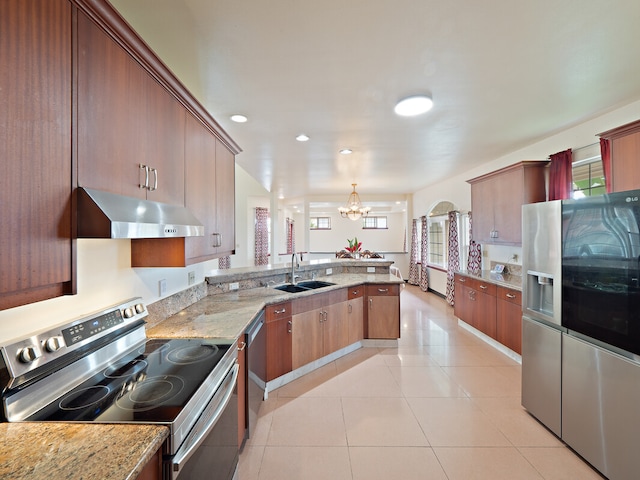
column 294, row 264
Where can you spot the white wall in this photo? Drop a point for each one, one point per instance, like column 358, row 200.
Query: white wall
column 458, row 191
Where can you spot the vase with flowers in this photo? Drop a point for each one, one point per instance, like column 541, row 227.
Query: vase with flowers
column 355, row 247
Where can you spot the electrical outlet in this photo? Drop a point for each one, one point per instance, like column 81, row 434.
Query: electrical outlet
column 234, row 286
column 514, row 257
column 162, row 287
column 192, row 278
column 329, row 271
column 371, row 269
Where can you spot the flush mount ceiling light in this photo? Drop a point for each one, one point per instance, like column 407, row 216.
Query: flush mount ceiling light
column 353, row 210
column 413, row 105
column 302, row 137
column 346, row 151
column 239, row 118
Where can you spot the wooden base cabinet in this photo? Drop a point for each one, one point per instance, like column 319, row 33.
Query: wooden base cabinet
column 509, row 318
column 383, row 311
column 355, row 314
column 320, row 326
column 279, row 339
column 494, row 310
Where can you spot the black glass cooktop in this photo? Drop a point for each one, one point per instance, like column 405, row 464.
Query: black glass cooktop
column 151, row 384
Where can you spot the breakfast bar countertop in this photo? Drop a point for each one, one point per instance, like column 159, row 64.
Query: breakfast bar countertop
column 227, row 315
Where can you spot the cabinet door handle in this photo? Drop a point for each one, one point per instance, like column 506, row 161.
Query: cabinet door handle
column 278, row 312
column 461, row 280
column 217, row 239
column 383, row 290
column 155, row 179
column 290, row 325
column 371, row 303
column 510, row 295
column 320, row 315
column 242, row 346
column 146, row 176
column 350, row 308
column 483, row 287
column 355, row 292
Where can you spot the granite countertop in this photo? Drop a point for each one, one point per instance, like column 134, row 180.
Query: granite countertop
column 504, row 280
column 227, row 315
column 36, row 451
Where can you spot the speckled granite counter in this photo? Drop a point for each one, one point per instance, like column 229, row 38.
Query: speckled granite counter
column 227, row 315
column 37, row 451
column 504, row 280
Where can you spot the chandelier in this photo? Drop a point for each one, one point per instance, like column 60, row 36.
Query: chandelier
column 353, row 210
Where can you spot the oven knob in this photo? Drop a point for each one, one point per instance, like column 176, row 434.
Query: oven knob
column 139, row 308
column 52, row 344
column 28, row 354
column 128, row 312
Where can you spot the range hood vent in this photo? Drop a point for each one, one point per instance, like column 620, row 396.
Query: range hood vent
column 107, row 215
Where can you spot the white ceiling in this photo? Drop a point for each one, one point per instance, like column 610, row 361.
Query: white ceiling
column 503, row 74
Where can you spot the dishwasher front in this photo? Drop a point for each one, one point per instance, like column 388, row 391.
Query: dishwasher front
column 256, row 340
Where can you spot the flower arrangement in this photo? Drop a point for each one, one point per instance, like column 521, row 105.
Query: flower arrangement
column 354, row 245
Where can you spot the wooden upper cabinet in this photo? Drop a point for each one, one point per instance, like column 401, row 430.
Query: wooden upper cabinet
column 225, row 199
column 497, row 199
column 36, row 239
column 625, row 156
column 125, row 119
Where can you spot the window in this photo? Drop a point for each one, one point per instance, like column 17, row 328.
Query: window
column 438, row 231
column 375, row 222
column 320, row 223
column 588, row 178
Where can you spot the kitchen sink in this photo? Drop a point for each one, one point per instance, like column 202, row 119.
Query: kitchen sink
column 303, row 286
column 291, row 288
column 313, row 284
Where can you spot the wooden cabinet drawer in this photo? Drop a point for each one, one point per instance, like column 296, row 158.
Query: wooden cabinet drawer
column 510, row 295
column 383, row 290
column 486, row 287
column 356, row 292
column 277, row 311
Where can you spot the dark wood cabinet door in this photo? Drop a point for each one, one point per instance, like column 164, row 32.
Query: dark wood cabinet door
column 125, row 118
column 509, row 318
column 225, row 199
column 36, row 239
column 279, row 353
column 200, row 188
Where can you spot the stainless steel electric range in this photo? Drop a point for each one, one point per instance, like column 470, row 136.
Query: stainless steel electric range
column 103, row 368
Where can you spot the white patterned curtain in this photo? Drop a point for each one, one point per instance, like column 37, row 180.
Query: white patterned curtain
column 454, row 256
column 414, row 273
column 474, row 260
column 262, row 236
column 224, row 263
column 291, row 236
column 424, row 276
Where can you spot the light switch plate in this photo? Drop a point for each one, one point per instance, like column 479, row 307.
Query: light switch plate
column 329, row 271
column 162, row 287
column 371, row 269
column 234, row 286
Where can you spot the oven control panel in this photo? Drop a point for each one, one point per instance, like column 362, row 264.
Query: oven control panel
column 26, row 355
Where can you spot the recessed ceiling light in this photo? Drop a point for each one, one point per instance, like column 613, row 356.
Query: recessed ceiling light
column 414, row 105
column 239, row 118
column 302, row 137
column 346, row 151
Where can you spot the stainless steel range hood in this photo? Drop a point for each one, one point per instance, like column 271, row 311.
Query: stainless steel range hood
column 107, row 215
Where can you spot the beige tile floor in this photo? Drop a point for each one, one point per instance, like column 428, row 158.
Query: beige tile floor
column 442, row 405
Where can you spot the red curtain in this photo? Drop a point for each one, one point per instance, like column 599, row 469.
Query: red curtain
column 605, row 152
column 560, row 175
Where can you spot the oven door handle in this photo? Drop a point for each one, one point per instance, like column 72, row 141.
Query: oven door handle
column 181, row 457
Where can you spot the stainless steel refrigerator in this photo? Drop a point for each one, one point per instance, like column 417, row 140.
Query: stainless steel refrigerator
column 542, row 305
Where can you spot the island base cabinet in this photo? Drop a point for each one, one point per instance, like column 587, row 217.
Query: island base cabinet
column 383, row 311
column 279, row 340
column 355, row 314
column 509, row 318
